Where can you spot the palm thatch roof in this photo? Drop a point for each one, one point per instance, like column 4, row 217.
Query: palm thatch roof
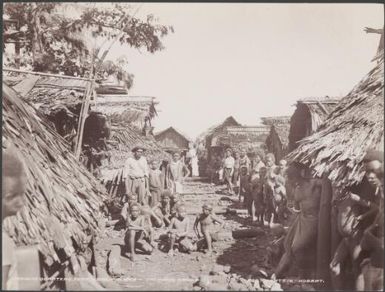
column 123, row 139
column 172, row 139
column 59, row 188
column 127, row 109
column 355, row 125
column 279, row 125
column 229, row 121
column 241, row 136
column 42, row 90
column 308, row 116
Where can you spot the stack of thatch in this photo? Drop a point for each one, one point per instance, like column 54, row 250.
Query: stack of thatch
column 60, row 193
column 355, row 125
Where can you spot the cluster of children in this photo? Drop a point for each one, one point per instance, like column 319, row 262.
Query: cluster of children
column 168, row 215
column 261, row 185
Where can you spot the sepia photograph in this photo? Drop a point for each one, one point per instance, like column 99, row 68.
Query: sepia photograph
column 192, row 146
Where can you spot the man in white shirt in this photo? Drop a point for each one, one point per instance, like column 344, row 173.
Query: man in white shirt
column 136, row 172
column 228, row 169
column 12, row 191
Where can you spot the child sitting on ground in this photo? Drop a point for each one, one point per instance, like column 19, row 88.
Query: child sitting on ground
column 174, row 203
column 139, row 232
column 207, row 221
column 163, row 208
column 178, row 232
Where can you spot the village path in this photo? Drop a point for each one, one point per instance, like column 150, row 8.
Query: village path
column 162, row 272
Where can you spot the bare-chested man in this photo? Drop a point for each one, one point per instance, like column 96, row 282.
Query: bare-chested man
column 207, row 221
column 138, row 232
column 178, row 231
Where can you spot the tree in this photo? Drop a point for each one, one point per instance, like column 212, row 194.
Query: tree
column 55, row 42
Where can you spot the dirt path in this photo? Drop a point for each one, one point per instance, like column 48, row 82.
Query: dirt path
column 162, row 272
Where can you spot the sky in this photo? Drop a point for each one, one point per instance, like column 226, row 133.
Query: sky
column 250, row 60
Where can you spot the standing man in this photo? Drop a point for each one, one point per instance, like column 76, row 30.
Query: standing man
column 136, row 175
column 177, row 173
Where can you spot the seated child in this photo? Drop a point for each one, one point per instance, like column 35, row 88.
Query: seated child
column 178, row 231
column 155, row 181
column 138, row 234
column 207, row 221
column 131, row 199
column 163, row 209
column 174, row 203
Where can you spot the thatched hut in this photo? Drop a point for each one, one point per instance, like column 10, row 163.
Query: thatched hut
column 64, row 200
column 277, row 142
column 172, row 139
column 130, row 119
column 68, row 94
column 355, row 125
column 308, row 116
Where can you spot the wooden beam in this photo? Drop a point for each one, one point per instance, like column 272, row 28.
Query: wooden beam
column 46, row 74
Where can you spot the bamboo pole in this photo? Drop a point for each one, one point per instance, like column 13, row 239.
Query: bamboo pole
column 46, row 74
column 84, row 110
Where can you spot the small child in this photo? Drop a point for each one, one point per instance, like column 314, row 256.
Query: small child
column 131, row 199
column 280, row 201
column 139, row 233
column 207, row 221
column 163, row 209
column 178, row 231
column 155, row 181
column 243, row 186
column 257, row 207
column 174, row 203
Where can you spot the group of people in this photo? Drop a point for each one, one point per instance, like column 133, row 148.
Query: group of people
column 152, row 201
column 352, row 229
column 170, row 217
column 259, row 183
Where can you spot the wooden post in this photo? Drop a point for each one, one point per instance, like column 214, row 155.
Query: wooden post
column 84, row 109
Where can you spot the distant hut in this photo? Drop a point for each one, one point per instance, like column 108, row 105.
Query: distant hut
column 308, row 116
column 63, row 199
column 277, row 142
column 250, row 138
column 209, row 135
column 172, row 139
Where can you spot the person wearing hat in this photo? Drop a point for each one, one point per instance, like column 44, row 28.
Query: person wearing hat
column 136, row 172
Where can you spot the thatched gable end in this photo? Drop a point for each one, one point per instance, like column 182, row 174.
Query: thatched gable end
column 356, row 125
column 308, row 116
column 59, row 187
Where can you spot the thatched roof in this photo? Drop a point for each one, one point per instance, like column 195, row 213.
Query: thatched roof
column 278, row 120
column 59, row 187
column 229, row 121
column 124, row 138
column 124, row 108
column 48, row 92
column 355, row 125
column 241, row 136
column 319, row 109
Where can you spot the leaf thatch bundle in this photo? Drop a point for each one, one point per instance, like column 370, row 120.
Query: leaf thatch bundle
column 59, row 188
column 356, row 125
